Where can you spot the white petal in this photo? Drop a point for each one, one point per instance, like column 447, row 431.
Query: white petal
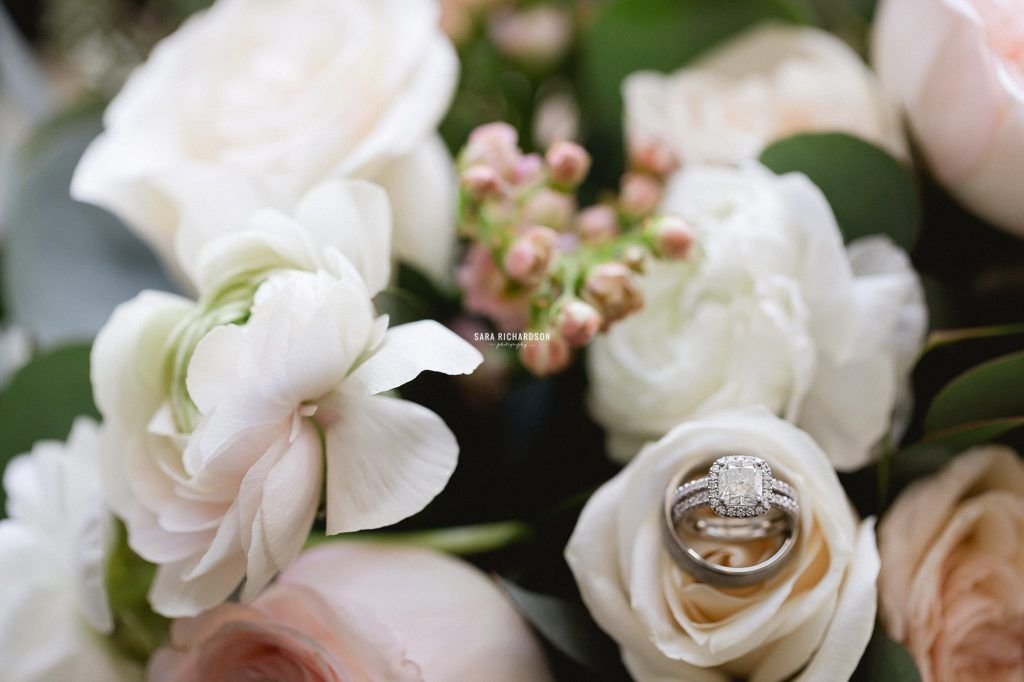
column 354, row 217
column 423, row 192
column 410, row 349
column 386, row 460
column 172, row 595
column 854, row 619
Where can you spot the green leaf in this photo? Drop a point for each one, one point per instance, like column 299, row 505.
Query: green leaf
column 632, row 35
column 67, row 264
column 990, row 390
column 42, row 400
column 886, row 661
column 870, row 192
column 570, row 629
column 461, row 540
column 943, row 337
column 138, row 630
column 936, row 450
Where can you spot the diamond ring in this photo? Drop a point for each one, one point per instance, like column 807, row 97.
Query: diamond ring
column 747, row 502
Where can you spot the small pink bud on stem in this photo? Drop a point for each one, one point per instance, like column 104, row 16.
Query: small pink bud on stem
column 578, row 322
column 549, row 207
column 612, row 288
column 653, row 157
column 529, row 257
column 481, row 182
column 544, row 358
column 640, row 194
column 673, row 237
column 597, row 224
column 568, row 163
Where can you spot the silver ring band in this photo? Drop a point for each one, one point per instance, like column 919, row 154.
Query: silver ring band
column 748, row 502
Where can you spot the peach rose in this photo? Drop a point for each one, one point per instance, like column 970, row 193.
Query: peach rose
column 358, row 612
column 957, row 66
column 952, row 579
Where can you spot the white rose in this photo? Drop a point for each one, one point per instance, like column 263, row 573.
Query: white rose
column 253, row 102
column 768, row 83
column 815, row 618
column 227, row 417
column 54, row 612
column 771, row 310
column 957, row 68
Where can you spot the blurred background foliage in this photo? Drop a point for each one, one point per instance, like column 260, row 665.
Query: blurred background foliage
column 530, row 454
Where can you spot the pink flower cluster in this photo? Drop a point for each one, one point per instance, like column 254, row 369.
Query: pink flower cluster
column 535, row 262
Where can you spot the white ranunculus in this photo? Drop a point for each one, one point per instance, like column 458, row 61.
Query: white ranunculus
column 54, row 612
column 771, row 310
column 255, row 101
column 230, row 415
column 957, row 66
column 768, row 83
column 813, row 620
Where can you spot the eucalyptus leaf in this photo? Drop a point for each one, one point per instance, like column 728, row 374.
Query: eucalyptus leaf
column 67, row 264
column 870, row 192
column 633, row 35
column 569, row 628
column 938, row 448
column 886, row 661
column 42, row 401
column 988, row 391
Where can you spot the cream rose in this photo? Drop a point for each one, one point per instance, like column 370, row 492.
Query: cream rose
column 54, row 613
column 770, row 310
column 228, row 417
column 813, row 620
column 253, row 102
column 952, row 581
column 768, row 83
column 360, row 613
column 957, row 66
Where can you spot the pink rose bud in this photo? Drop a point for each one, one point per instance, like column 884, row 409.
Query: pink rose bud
column 578, row 322
column 544, row 358
column 549, row 207
column 673, row 237
column 568, row 162
column 635, row 258
column 530, row 256
column 528, row 169
column 495, row 145
column 640, row 194
column 653, row 157
column 597, row 224
column 481, row 182
column 612, row 289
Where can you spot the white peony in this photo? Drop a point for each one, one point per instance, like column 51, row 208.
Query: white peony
column 54, row 613
column 770, row 82
column 253, row 102
column 813, row 620
column 771, row 310
column 229, row 417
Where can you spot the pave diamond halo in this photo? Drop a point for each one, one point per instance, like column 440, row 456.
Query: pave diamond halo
column 740, row 486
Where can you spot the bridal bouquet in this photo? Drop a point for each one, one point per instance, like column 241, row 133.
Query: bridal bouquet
column 512, row 340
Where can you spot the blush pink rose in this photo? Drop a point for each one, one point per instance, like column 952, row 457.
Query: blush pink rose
column 957, row 66
column 360, row 612
column 952, row 578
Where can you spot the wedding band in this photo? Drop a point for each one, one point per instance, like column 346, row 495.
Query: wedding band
column 748, row 503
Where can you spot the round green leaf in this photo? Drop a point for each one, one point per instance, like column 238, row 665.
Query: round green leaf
column 939, row 447
column 632, row 35
column 42, row 400
column 987, row 391
column 870, row 192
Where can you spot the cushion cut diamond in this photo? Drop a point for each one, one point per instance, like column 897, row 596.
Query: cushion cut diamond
column 740, row 483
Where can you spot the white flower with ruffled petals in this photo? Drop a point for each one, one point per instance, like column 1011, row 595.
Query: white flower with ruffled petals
column 230, row 416
column 54, row 613
column 770, row 310
column 253, row 102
